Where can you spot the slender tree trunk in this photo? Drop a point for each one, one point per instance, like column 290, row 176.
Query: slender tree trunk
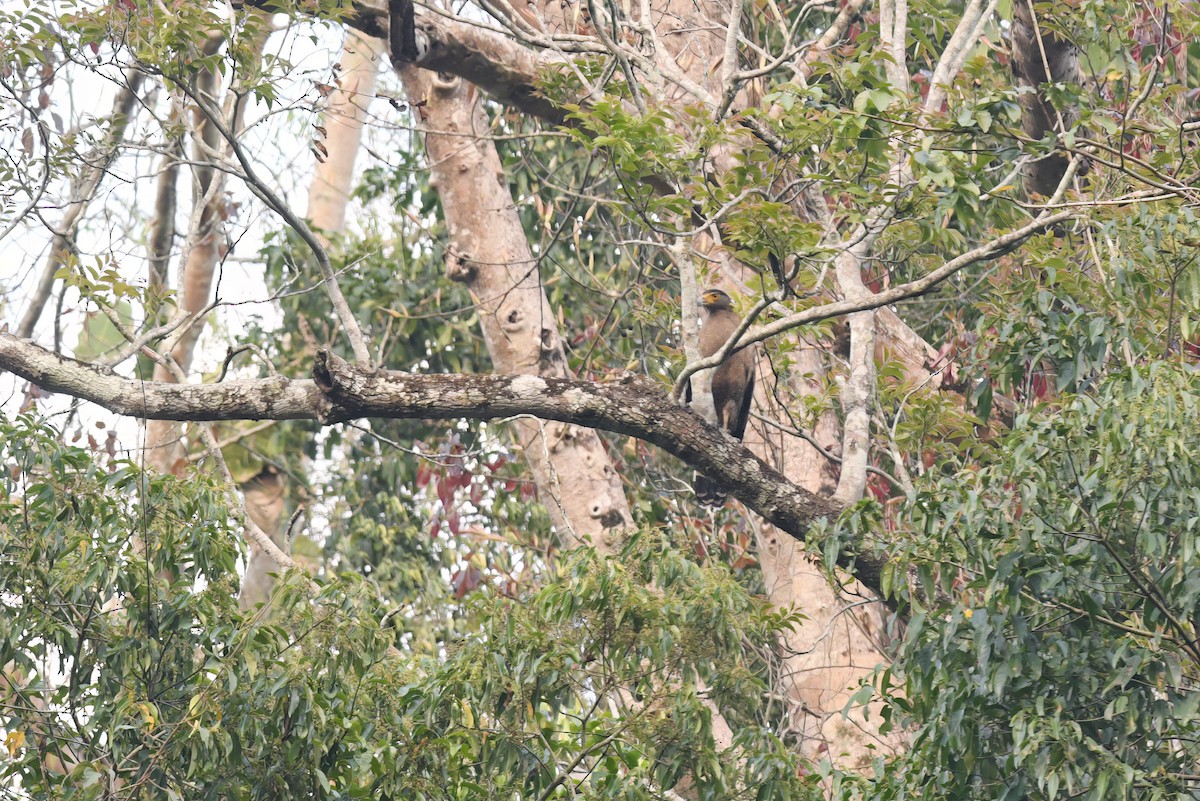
column 204, row 250
column 164, row 440
column 83, row 192
column 329, row 193
column 162, row 230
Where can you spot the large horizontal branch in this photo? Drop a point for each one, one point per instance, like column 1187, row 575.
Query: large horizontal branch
column 505, row 69
column 342, row 391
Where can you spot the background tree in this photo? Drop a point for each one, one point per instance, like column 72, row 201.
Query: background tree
column 964, row 559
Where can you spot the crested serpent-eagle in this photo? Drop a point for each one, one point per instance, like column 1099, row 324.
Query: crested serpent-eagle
column 732, row 380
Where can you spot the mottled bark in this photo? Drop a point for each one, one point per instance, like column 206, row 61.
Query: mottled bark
column 342, row 391
column 489, row 251
column 506, row 70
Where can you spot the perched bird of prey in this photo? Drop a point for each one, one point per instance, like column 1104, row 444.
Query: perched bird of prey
column 732, row 381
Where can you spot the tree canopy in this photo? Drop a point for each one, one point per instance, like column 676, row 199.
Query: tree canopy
column 386, row 493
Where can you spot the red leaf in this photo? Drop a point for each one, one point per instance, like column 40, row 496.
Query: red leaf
column 1038, row 384
column 743, row 562
column 878, row 487
column 464, row 581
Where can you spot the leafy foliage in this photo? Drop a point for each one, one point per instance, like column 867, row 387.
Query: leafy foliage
column 1041, row 512
column 1051, row 651
column 128, row 662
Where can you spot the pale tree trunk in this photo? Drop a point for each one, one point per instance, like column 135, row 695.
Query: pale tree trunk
column 203, row 251
column 162, row 233
column 328, row 197
column 695, row 54
column 488, row 250
column 830, row 652
column 329, row 193
column 264, row 496
column 204, row 248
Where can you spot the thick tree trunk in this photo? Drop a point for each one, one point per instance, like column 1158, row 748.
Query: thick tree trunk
column 489, row 251
column 825, row 657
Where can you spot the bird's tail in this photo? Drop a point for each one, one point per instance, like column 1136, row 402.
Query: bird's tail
column 708, row 492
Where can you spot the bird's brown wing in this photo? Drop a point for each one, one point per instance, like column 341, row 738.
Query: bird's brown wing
column 733, row 387
column 738, row 427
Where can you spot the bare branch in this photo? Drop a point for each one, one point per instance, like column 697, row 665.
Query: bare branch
column 342, row 391
column 969, row 29
column 81, row 196
column 265, row 193
column 729, row 66
column 828, row 311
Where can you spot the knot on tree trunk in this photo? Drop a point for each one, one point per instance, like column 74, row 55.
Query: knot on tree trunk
column 459, row 268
